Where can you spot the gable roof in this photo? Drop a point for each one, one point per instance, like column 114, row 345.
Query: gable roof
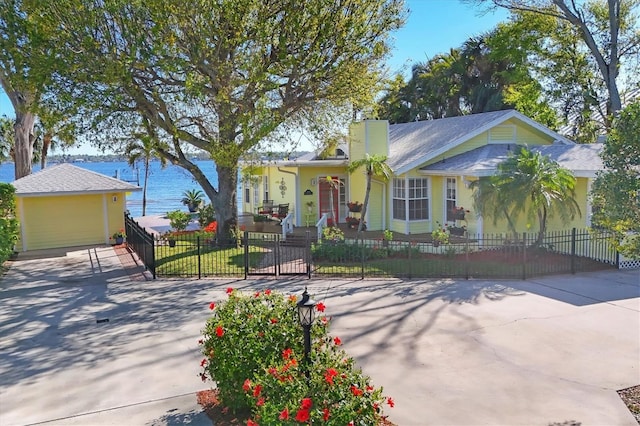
column 582, row 160
column 66, row 179
column 412, row 144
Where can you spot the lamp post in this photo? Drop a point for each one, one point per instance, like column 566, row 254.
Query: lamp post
column 306, row 316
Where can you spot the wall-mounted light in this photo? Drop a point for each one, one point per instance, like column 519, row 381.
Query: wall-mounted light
column 313, row 182
column 114, row 198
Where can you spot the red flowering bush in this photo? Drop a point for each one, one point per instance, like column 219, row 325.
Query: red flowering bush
column 253, row 349
column 212, row 227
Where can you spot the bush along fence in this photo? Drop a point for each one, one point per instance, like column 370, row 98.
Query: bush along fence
column 196, row 255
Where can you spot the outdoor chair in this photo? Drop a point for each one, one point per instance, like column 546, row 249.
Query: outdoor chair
column 266, row 207
column 283, row 211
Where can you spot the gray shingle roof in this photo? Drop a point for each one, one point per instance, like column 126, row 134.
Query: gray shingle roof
column 413, row 143
column 65, row 179
column 582, row 160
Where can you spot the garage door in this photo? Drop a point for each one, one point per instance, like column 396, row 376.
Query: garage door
column 63, row 221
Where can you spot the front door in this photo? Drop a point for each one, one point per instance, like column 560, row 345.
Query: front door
column 329, row 199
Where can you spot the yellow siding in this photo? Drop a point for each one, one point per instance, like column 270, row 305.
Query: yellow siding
column 368, row 137
column 357, row 142
column 66, row 221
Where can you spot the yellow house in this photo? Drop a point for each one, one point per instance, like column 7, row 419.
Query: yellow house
column 65, row 206
column 433, row 164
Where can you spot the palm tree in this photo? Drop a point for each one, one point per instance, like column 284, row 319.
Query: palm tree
column 374, row 165
column 531, row 183
column 488, row 201
column 144, row 147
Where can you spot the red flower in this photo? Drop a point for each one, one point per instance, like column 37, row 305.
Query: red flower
column 355, row 391
column 325, row 414
column 251, row 423
column 302, row 416
column 273, row 371
column 212, row 227
column 203, row 377
column 200, row 341
column 292, row 298
column 257, row 294
column 260, row 402
column 320, row 307
column 329, row 375
column 390, row 402
column 212, row 306
column 337, row 341
column 219, row 331
column 324, row 320
column 306, row 403
column 256, row 390
column 369, row 388
column 229, row 290
column 247, row 385
column 267, row 292
column 274, row 320
column 203, row 362
column 286, row 354
column 350, row 423
column 284, row 414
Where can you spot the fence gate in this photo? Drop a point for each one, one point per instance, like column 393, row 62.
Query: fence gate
column 269, row 255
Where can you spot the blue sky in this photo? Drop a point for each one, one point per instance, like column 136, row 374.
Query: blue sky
column 433, row 26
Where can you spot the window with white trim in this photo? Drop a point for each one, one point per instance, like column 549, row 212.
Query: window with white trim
column 410, row 197
column 256, row 192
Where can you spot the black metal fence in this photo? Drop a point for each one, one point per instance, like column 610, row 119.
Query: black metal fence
column 197, row 255
column 476, row 256
column 141, row 242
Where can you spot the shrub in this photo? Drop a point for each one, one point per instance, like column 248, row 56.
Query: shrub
column 8, row 221
column 332, row 234
column 206, row 214
column 253, row 349
column 178, row 220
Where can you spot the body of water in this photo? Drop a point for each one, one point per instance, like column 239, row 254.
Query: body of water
column 164, row 190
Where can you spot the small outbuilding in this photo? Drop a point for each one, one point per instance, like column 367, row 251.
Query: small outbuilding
column 65, row 206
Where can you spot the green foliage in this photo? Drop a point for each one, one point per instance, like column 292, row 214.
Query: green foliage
column 217, row 76
column 387, row 235
column 9, row 226
column 253, row 348
column 616, row 191
column 206, row 214
column 529, row 183
column 346, row 252
column 440, row 234
column 332, row 234
column 178, row 220
column 192, row 197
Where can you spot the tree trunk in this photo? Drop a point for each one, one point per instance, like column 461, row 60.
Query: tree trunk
column 24, row 140
column 225, row 203
column 365, row 204
column 144, row 187
column 46, row 143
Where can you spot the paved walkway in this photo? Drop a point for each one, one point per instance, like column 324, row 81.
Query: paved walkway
column 449, row 352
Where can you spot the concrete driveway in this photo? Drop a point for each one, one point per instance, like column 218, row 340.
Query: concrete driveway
column 449, row 352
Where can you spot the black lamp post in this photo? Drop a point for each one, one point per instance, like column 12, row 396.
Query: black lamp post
column 306, row 316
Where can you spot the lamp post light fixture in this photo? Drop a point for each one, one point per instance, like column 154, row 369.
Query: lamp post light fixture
column 306, row 316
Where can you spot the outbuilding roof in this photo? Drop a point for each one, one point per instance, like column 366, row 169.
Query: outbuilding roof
column 65, row 179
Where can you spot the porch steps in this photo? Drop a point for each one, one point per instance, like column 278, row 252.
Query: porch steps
column 299, row 240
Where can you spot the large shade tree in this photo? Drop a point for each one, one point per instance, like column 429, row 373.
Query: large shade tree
column 218, row 76
column 608, row 29
column 530, row 184
column 616, row 191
